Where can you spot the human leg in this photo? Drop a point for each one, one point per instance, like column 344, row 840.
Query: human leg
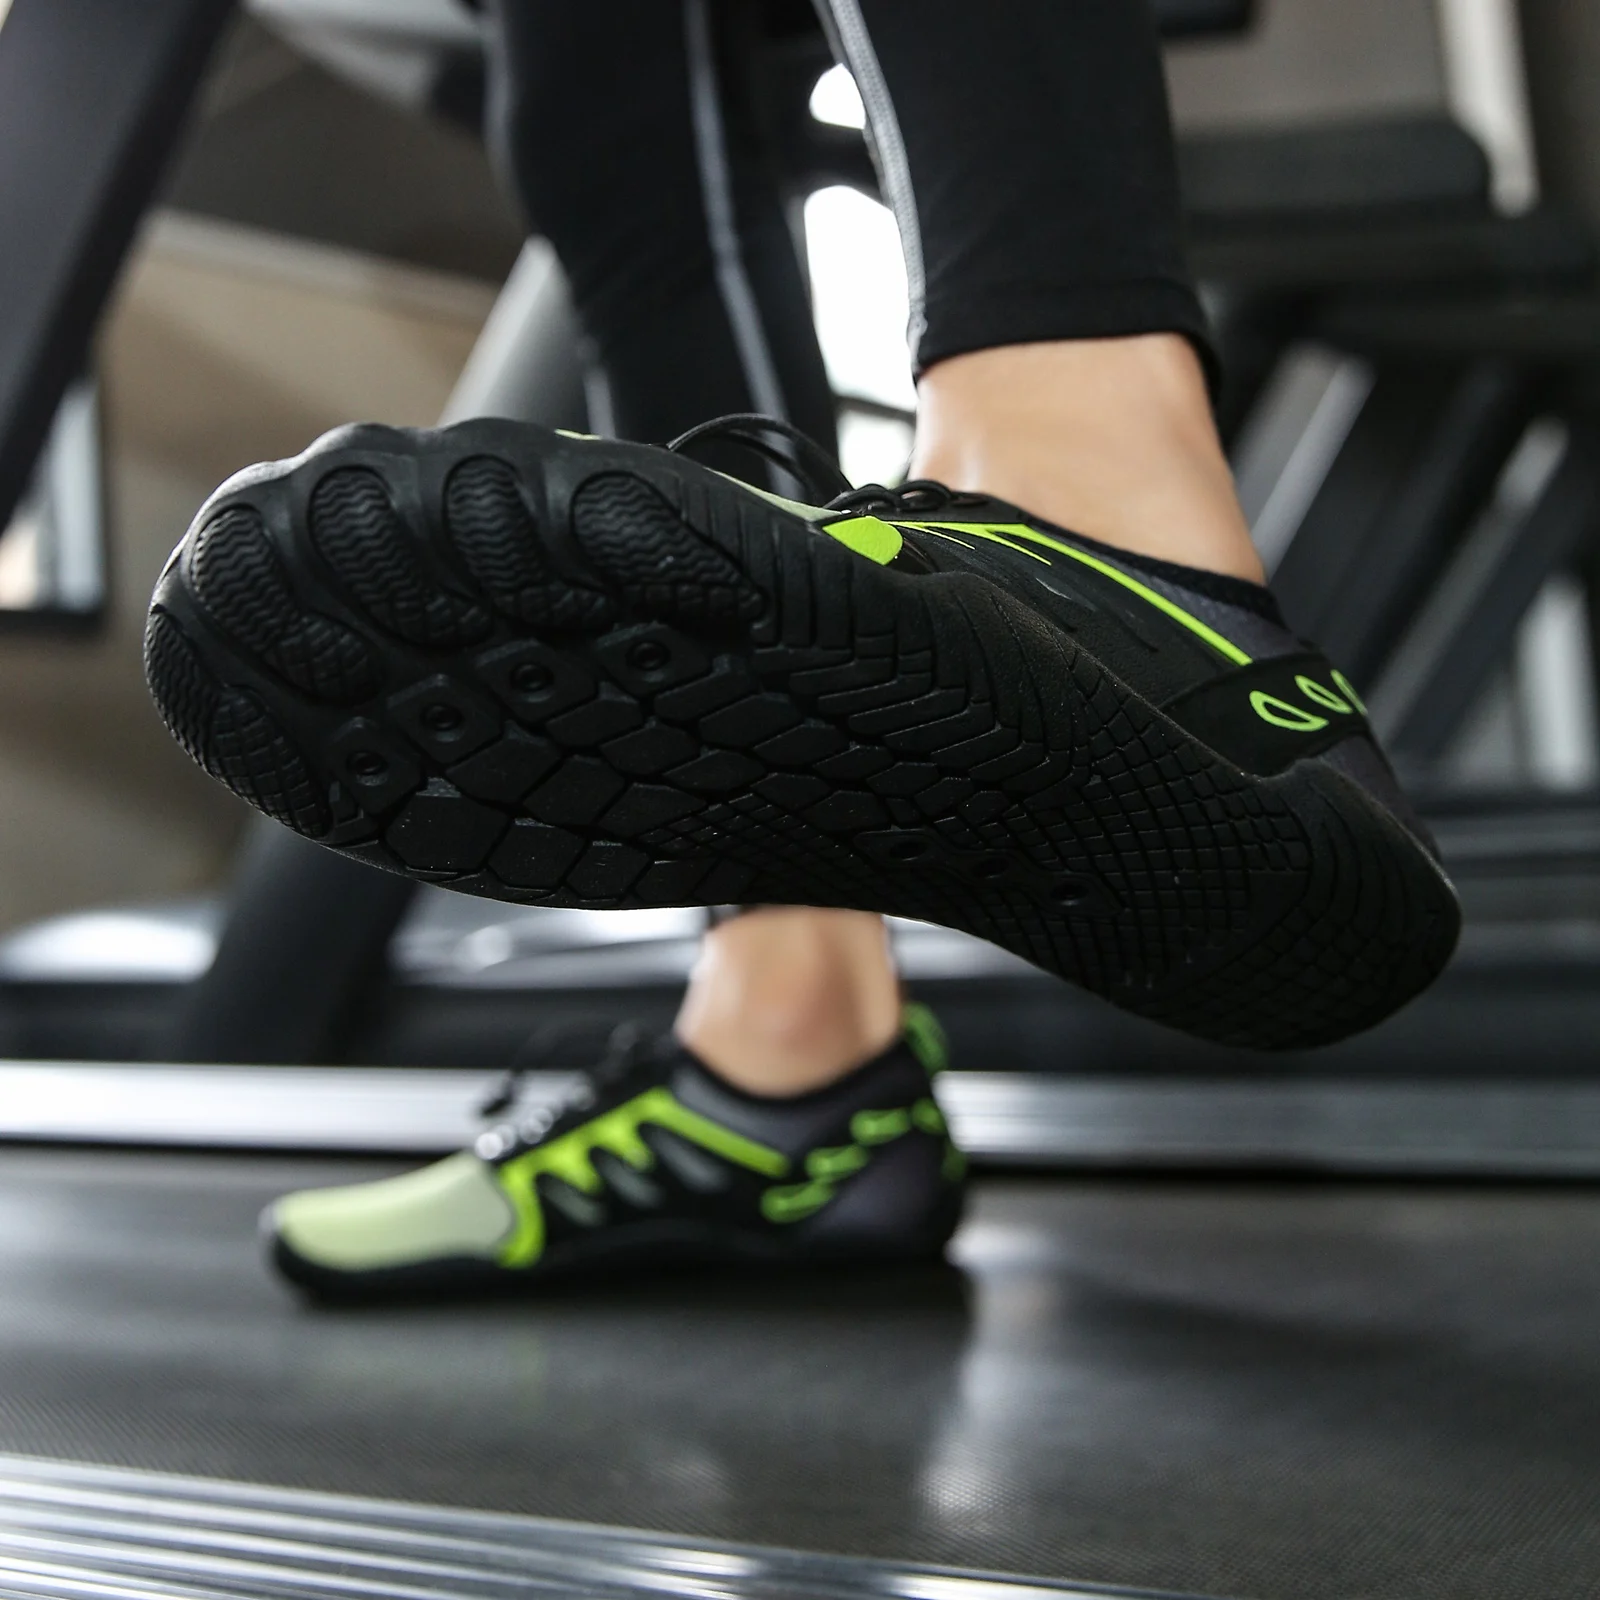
column 1120, row 766
column 622, row 128
column 790, row 1118
column 1059, row 343
column 1113, row 437
column 669, row 221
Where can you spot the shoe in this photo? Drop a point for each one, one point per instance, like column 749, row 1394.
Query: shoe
column 653, row 1160
column 579, row 672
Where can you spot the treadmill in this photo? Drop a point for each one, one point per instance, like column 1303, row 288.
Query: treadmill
column 1215, row 1325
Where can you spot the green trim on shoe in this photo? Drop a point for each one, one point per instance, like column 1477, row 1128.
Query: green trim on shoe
column 569, row 1159
column 925, row 1035
column 659, row 1156
column 1008, row 533
column 871, row 537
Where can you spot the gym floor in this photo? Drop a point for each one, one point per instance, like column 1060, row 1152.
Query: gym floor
column 1264, row 1389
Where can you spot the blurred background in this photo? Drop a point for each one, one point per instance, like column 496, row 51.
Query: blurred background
column 1392, row 207
column 1318, row 1324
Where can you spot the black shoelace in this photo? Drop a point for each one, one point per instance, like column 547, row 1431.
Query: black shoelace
column 625, row 1049
column 809, row 464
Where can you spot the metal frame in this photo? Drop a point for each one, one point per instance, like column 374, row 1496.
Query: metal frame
column 93, row 97
column 62, row 514
column 1422, row 453
column 1461, row 440
column 1499, row 1128
column 305, row 941
column 1427, row 541
column 1470, row 620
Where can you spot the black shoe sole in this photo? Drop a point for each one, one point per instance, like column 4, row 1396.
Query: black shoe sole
column 658, row 1255
column 572, row 673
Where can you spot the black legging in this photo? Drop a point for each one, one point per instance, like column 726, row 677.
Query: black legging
column 1024, row 146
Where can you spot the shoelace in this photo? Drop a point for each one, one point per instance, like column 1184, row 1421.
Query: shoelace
column 780, row 443
column 917, row 497
column 625, row 1048
column 808, row 463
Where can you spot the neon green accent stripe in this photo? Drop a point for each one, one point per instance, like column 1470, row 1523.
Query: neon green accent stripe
column 928, row 1117
column 954, row 1167
column 1348, row 691
column 868, row 536
column 795, row 1202
column 995, row 534
column 829, row 1166
column 1224, row 647
column 1006, row 532
column 926, row 1037
column 663, row 1110
column 526, row 1242
column 949, row 538
column 879, row 1127
column 570, row 1159
column 1319, row 695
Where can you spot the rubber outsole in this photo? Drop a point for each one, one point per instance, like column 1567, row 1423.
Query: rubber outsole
column 575, row 673
column 642, row 1250
column 467, row 1281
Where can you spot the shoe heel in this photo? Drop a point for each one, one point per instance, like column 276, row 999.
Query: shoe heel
column 901, row 1205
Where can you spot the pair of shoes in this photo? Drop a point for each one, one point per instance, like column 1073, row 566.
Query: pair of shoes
column 578, row 672
column 652, row 1160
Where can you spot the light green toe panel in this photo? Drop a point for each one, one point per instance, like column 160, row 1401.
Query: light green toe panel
column 451, row 1209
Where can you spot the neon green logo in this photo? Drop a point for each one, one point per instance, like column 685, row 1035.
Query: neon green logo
column 1298, row 719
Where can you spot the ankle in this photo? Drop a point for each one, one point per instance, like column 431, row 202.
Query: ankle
column 786, row 1000
column 1113, row 438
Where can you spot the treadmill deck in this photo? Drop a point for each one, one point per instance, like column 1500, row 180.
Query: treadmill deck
column 1245, row 1389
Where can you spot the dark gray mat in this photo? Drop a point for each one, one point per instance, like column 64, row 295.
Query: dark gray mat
column 1244, row 1390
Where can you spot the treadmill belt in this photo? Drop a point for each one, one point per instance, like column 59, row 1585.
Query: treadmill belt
column 1261, row 1389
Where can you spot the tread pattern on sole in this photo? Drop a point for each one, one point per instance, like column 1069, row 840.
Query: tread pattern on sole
column 661, row 565
column 241, row 582
column 185, row 692
column 230, row 732
column 765, row 716
column 493, row 531
column 358, row 532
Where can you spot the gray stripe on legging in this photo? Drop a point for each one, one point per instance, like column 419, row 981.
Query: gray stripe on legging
column 894, row 169
column 711, row 153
